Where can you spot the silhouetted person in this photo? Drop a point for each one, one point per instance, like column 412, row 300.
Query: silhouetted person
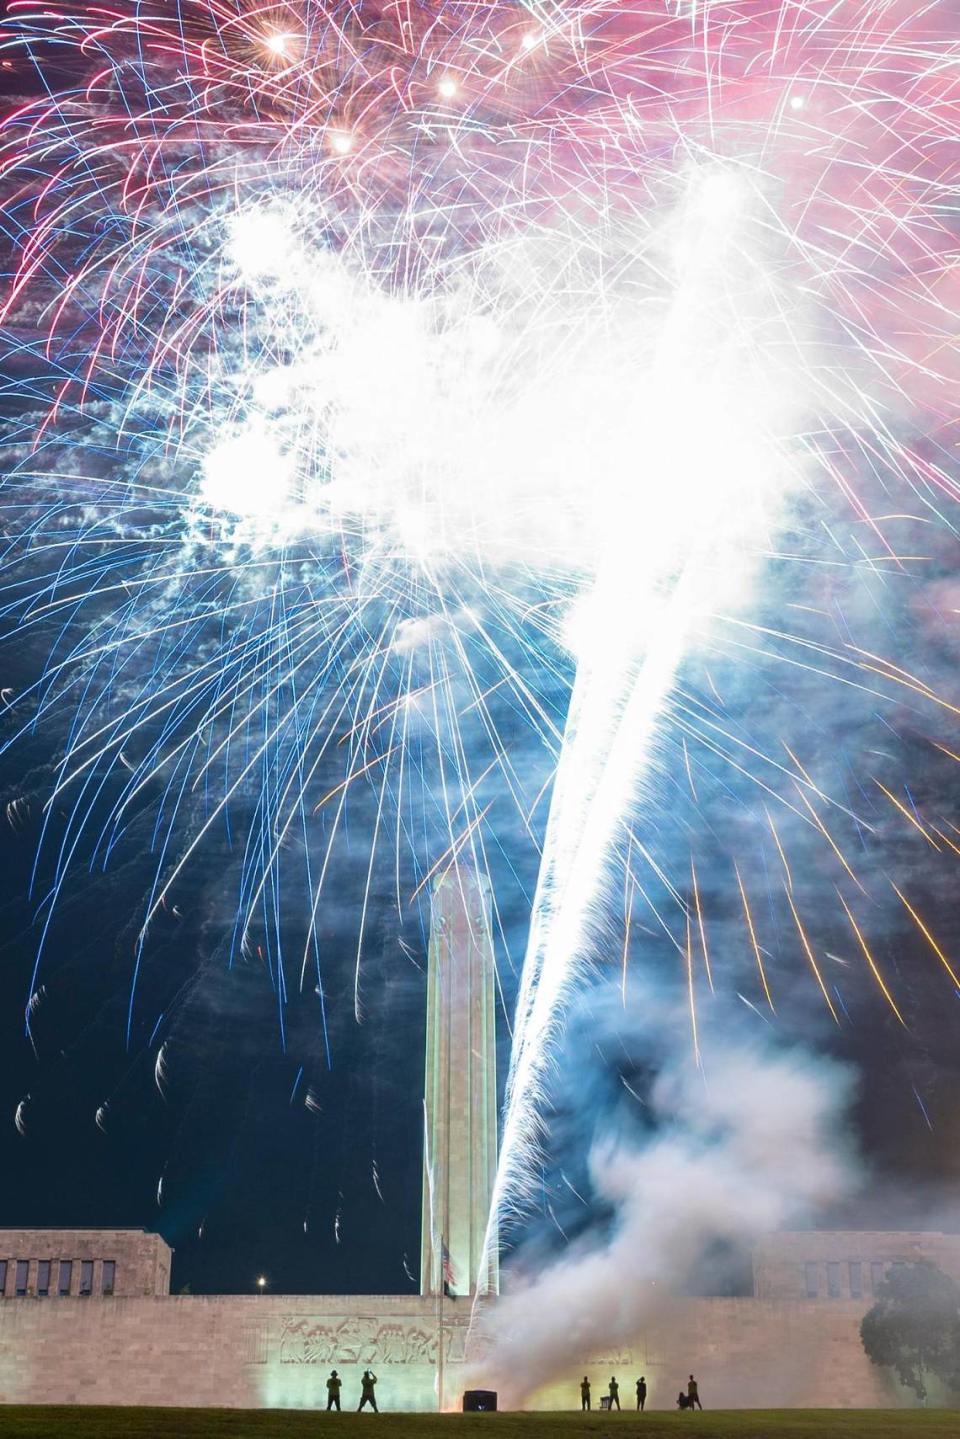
column 641, row 1392
column 682, row 1401
column 333, row 1391
column 584, row 1393
column 367, row 1396
column 614, row 1392
column 693, row 1395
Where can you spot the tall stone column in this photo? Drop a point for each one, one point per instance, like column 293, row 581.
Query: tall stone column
column 460, row 1090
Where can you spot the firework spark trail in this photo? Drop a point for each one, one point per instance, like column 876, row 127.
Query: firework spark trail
column 394, row 348
column 731, row 491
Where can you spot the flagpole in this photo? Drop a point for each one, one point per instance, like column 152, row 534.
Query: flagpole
column 440, row 1396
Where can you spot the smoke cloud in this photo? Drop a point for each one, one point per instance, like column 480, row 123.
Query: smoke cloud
column 754, row 1142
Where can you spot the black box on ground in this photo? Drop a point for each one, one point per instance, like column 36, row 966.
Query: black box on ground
column 479, row 1401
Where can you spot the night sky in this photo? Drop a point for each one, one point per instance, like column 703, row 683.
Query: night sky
column 264, row 1128
column 297, row 1153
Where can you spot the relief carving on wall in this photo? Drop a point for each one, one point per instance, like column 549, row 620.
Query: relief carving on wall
column 455, row 1345
column 254, row 1344
column 305, row 1339
column 618, row 1359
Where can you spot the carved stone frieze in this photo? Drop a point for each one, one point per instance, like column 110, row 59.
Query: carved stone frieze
column 309, row 1339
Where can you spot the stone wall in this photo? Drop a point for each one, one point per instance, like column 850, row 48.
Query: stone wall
column 142, row 1260
column 746, row 1354
column 271, row 1351
column 824, row 1263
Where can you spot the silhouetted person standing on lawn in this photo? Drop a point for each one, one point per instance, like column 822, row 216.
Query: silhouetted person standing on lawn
column 641, row 1392
column 333, row 1391
column 614, row 1392
column 367, row 1396
column 584, row 1393
column 693, row 1395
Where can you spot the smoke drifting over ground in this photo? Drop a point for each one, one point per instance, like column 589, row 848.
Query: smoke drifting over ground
column 753, row 1142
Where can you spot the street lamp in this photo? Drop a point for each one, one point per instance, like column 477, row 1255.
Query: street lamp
column 261, row 1283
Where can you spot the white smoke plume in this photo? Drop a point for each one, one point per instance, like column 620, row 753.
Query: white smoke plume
column 753, row 1143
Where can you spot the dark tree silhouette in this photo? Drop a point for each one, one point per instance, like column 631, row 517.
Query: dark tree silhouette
column 914, row 1327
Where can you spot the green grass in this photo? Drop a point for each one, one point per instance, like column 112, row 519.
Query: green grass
column 86, row 1422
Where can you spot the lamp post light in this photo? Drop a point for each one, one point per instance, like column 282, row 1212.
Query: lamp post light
column 261, row 1283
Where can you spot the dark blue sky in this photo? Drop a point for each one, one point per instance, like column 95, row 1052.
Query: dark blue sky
column 297, row 1154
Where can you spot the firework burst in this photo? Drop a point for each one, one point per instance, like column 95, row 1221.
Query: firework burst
column 395, row 363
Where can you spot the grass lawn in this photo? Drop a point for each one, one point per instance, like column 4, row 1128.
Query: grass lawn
column 85, row 1422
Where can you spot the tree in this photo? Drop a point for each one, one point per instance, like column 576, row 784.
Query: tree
column 914, row 1327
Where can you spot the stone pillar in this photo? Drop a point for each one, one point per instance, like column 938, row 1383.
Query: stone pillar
column 460, row 1090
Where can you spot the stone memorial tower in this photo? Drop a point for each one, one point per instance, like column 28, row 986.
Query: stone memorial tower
column 460, row 1090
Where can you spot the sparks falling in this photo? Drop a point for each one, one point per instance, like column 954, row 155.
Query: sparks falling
column 396, row 368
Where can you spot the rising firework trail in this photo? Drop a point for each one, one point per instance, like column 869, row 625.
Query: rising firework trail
column 402, row 377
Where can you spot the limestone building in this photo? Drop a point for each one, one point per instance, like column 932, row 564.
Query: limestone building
column 86, row 1315
column 83, row 1263
column 844, row 1264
